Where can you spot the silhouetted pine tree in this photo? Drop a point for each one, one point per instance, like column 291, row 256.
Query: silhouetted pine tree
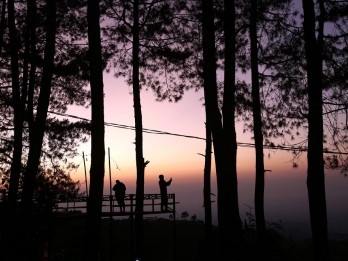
column 18, row 107
column 257, row 123
column 42, row 109
column 94, row 203
column 224, row 138
column 315, row 172
column 69, row 79
column 157, row 61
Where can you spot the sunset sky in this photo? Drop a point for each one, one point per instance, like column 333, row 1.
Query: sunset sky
column 178, row 157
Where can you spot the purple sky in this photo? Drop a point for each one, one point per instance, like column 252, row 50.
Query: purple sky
column 177, row 157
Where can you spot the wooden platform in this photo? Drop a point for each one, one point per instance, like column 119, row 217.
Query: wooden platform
column 152, row 205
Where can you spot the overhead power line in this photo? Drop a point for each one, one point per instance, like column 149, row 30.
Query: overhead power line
column 240, row 144
column 127, row 127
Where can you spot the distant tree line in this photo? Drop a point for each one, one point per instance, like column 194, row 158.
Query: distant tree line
column 280, row 67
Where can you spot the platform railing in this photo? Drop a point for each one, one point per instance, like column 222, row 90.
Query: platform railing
column 152, row 204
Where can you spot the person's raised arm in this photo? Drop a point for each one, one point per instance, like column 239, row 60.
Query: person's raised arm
column 169, row 182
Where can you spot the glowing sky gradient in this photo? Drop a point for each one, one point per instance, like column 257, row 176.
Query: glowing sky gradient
column 178, row 157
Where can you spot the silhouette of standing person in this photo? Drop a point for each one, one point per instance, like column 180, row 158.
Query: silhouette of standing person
column 163, row 188
column 120, row 193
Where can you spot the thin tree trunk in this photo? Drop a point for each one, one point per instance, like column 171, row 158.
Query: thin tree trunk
column 32, row 73
column 139, row 251
column 207, row 184
column 315, row 172
column 258, row 137
column 97, row 170
column 208, row 223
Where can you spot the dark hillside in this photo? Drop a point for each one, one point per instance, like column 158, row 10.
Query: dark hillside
column 163, row 244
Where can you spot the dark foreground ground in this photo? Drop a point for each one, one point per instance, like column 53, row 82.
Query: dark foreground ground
column 169, row 241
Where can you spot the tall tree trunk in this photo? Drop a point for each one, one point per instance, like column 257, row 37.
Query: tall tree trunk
column 38, row 131
column 258, row 137
column 19, row 104
column 230, row 225
column 213, row 116
column 17, row 137
column 315, row 172
column 17, row 110
column 210, row 94
column 97, row 170
column 233, row 229
column 139, row 251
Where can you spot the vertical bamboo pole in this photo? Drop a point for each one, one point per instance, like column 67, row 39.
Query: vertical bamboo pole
column 84, row 165
column 110, row 195
column 174, row 228
column 131, row 228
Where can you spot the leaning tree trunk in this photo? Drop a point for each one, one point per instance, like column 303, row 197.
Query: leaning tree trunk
column 258, row 137
column 38, row 126
column 38, row 131
column 19, row 106
column 315, row 172
column 95, row 199
column 17, row 111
